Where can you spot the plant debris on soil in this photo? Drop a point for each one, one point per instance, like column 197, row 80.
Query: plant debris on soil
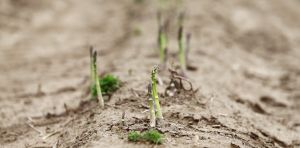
column 241, row 86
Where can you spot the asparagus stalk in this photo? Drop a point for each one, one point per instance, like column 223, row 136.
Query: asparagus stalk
column 151, row 107
column 162, row 40
column 181, row 55
column 188, row 40
column 95, row 78
column 154, row 93
column 92, row 72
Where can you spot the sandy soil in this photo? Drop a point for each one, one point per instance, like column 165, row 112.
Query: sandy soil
column 247, row 55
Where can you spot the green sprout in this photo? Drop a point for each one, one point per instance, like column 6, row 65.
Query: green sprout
column 162, row 39
column 151, row 107
column 94, row 76
column 181, row 54
column 109, row 84
column 154, row 93
column 152, row 136
column 162, row 43
column 92, row 70
column 134, row 136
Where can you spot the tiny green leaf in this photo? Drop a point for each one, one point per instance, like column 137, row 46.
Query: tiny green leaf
column 134, row 136
column 109, row 84
column 153, row 136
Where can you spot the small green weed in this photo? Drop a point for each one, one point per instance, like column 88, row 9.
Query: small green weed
column 152, row 136
column 134, row 136
column 109, row 84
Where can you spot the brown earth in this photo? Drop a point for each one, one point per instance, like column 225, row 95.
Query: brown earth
column 247, row 55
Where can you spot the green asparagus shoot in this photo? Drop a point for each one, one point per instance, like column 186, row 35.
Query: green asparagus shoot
column 182, row 56
column 93, row 88
column 155, row 94
column 162, row 37
column 162, row 44
column 96, row 78
column 93, row 85
column 151, row 107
